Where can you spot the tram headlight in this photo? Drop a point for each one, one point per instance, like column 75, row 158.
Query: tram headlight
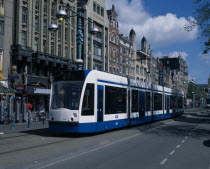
column 75, row 114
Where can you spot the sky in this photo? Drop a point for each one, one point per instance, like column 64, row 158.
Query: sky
column 162, row 23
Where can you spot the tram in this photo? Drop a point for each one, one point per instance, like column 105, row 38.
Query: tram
column 90, row 101
column 208, row 102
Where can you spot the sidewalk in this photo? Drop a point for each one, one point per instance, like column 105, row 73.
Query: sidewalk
column 5, row 129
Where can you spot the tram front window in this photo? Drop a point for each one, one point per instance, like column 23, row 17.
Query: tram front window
column 66, row 95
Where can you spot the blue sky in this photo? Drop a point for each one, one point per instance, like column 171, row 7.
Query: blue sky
column 162, row 22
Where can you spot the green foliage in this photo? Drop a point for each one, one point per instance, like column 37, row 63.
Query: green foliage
column 194, row 89
column 201, row 19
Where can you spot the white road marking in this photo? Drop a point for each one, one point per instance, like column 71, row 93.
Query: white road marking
column 1, row 133
column 87, row 151
column 186, row 137
column 183, row 141
column 189, row 134
column 42, row 138
column 171, row 153
column 74, row 155
column 164, row 161
column 178, row 146
column 194, row 129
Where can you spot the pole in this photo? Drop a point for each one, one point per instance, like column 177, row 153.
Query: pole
column 80, row 40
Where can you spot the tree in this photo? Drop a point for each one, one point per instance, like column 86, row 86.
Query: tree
column 201, row 19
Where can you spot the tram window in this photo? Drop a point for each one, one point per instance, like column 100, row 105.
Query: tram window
column 66, row 95
column 172, row 102
column 148, row 101
column 115, row 100
column 180, row 102
column 135, row 101
column 88, row 101
column 157, row 101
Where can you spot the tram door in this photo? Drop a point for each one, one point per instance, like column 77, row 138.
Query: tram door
column 141, row 104
column 100, row 112
column 167, row 103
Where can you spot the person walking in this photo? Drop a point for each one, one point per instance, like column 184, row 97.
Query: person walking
column 29, row 108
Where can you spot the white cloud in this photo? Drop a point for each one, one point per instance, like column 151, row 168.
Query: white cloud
column 171, row 54
column 205, row 57
column 159, row 30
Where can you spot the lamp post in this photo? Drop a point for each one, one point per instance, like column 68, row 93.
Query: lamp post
column 193, row 93
column 61, row 15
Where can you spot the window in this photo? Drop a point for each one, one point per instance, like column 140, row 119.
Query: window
column 115, row 100
column 72, row 36
column 37, row 23
column 45, row 26
column 52, row 48
column 24, row 38
column 137, row 69
column 66, row 34
column 1, row 27
column 148, row 101
column 36, row 44
column 44, row 46
column 157, row 101
column 98, row 9
column 59, row 32
column 24, row 15
column 66, row 52
column 53, row 9
column 102, row 11
column 135, row 95
column 59, row 50
column 37, row 4
column 180, row 102
column 45, row 6
column 66, row 95
column 88, row 101
column 94, row 7
column 97, row 50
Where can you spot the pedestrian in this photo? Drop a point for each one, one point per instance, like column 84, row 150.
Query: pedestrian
column 29, row 108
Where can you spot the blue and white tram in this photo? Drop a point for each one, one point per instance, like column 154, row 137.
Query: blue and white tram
column 92, row 101
column 208, row 102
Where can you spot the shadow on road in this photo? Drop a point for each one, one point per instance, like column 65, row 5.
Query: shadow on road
column 206, row 143
column 185, row 127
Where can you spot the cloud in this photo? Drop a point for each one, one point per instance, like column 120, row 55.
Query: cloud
column 205, row 57
column 160, row 31
column 171, row 54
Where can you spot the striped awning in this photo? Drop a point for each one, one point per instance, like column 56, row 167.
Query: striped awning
column 6, row 90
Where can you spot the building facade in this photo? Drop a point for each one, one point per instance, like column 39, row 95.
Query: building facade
column 127, row 55
column 96, row 48
column 37, row 52
column 143, row 62
column 114, row 42
column 178, row 70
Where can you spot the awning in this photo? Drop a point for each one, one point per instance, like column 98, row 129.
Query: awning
column 6, row 90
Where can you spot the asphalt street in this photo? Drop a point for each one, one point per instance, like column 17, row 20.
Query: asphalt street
column 179, row 143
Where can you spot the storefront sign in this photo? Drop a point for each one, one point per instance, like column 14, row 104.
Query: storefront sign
column 19, row 87
column 41, row 91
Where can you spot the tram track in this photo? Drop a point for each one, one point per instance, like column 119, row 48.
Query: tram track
column 32, row 147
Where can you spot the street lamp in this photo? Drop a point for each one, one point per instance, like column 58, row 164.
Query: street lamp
column 61, row 15
column 193, row 93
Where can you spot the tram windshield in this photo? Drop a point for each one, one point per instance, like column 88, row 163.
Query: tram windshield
column 66, row 94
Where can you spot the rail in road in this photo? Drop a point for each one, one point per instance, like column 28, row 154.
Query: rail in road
column 175, row 143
